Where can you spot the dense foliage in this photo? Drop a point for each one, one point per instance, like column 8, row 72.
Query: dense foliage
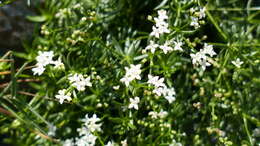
column 119, row 72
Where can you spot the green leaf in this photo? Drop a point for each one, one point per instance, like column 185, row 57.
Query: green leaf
column 37, row 18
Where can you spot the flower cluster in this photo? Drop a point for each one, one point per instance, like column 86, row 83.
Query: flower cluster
column 44, row 59
column 161, row 89
column 156, row 115
column 131, row 73
column 91, row 123
column 63, row 95
column 134, row 103
column 197, row 16
column 161, row 26
column 79, row 82
column 201, row 58
column 86, row 136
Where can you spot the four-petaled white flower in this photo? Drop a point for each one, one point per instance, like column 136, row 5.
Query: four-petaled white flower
column 202, row 13
column 159, row 91
column 174, row 143
column 152, row 46
column 237, row 62
column 162, row 114
column 134, row 103
column 110, row 143
column 153, row 114
column 166, row 48
column 124, row 142
column 154, row 80
column 44, row 58
column 195, row 22
column 38, row 70
column 177, row 46
column 88, row 139
column 68, row 142
column 79, row 82
column 58, row 64
column 170, row 95
column 63, row 95
column 131, row 73
column 156, row 32
column 208, row 49
column 162, row 14
column 91, row 123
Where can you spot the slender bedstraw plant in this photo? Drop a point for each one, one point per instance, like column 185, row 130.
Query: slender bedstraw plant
column 116, row 72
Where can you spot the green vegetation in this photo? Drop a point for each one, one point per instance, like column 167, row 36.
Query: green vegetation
column 170, row 72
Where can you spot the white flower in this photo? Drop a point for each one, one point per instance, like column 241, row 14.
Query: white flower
column 110, row 143
column 162, row 114
column 39, row 69
column 52, row 130
column 68, row 142
column 170, row 98
column 126, row 80
column 204, row 64
column 196, row 58
column 124, row 142
column 87, row 82
column 58, row 64
column 237, row 62
column 174, row 143
column 83, row 131
column 171, row 91
column 75, row 78
column 154, row 80
column 152, row 46
column 86, row 140
column 170, row 95
column 162, row 14
column 62, row 95
column 195, row 22
column 160, row 23
column 192, row 10
column 163, row 29
column 91, row 123
column 166, row 48
column 208, row 49
column 159, row 91
column 134, row 103
column 177, row 46
column 79, row 82
column 131, row 73
column 44, row 58
column 153, row 114
column 202, row 13
column 156, row 32
column 116, row 87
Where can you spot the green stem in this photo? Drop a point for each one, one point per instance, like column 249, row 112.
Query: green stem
column 216, row 25
column 247, row 132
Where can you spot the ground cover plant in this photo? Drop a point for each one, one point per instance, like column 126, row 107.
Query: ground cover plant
column 118, row 72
